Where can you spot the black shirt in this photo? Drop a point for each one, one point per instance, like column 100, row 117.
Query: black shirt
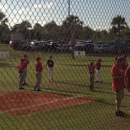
column 50, row 63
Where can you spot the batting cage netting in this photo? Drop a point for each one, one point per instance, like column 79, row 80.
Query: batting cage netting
column 64, row 64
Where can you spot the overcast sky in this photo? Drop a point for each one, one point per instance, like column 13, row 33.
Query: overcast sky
column 97, row 14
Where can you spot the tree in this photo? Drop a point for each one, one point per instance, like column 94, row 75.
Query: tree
column 52, row 31
column 118, row 24
column 4, row 29
column 72, row 27
column 37, row 31
column 126, row 33
column 22, row 28
column 87, row 33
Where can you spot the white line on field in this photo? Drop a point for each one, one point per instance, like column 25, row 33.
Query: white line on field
column 40, row 104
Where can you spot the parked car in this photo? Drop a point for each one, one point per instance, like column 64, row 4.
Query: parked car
column 19, row 45
column 88, row 42
column 79, row 44
column 52, row 44
column 118, row 47
column 36, row 45
column 44, row 45
column 23, row 45
column 14, row 44
column 103, row 48
column 62, row 47
column 100, row 43
column 84, row 46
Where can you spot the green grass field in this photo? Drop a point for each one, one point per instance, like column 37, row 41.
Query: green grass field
column 70, row 78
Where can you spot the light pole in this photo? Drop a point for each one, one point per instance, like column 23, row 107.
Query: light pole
column 68, row 7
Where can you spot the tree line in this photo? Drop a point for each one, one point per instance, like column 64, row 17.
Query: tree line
column 71, row 28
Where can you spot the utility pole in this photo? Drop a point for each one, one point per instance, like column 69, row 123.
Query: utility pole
column 68, row 8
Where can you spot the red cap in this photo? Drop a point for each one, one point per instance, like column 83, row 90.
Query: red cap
column 119, row 59
column 38, row 58
column 22, row 60
column 25, row 55
column 99, row 59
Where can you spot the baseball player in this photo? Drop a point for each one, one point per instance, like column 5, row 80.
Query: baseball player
column 26, row 60
column 50, row 64
column 118, row 84
column 21, row 66
column 98, row 70
column 38, row 68
column 91, row 68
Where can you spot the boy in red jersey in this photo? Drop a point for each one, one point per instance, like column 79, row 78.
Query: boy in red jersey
column 38, row 68
column 21, row 67
column 98, row 70
column 118, row 84
column 91, row 68
column 26, row 61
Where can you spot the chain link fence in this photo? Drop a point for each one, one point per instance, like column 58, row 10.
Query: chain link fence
column 45, row 50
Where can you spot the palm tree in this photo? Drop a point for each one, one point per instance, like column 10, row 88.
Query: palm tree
column 72, row 27
column 4, row 29
column 119, row 23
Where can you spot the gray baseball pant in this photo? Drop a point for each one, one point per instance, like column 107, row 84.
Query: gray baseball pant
column 25, row 74
column 91, row 79
column 38, row 77
column 50, row 73
column 21, row 79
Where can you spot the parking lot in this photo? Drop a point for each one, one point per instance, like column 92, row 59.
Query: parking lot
column 67, row 46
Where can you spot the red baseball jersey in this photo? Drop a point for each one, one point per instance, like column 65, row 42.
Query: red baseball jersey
column 91, row 69
column 21, row 67
column 38, row 66
column 98, row 65
column 117, row 83
column 26, row 61
column 125, row 65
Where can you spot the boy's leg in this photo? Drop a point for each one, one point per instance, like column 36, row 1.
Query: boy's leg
column 91, row 78
column 39, row 80
column 51, row 73
column 118, row 98
column 99, row 76
column 36, row 81
column 21, row 79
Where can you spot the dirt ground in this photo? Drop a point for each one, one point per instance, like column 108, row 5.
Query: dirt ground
column 23, row 103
